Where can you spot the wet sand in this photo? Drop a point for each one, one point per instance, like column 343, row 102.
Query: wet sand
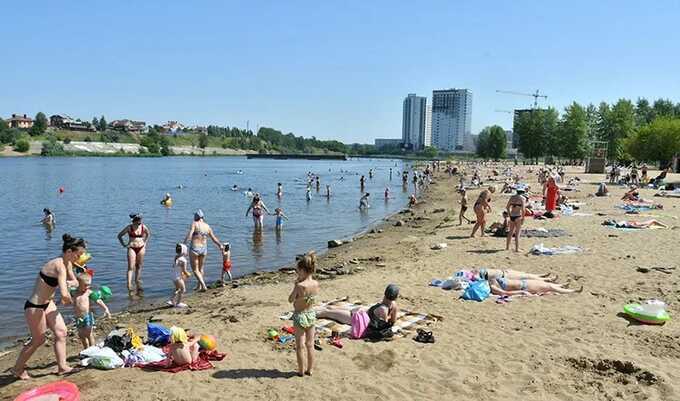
column 566, row 347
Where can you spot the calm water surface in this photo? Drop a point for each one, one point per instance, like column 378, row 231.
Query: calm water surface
column 100, row 193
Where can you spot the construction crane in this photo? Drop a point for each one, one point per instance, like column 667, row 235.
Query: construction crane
column 534, row 95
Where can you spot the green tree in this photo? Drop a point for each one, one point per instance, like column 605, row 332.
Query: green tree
column 644, row 114
column 573, row 132
column 202, row 141
column 492, row 143
column 429, row 152
column 621, row 125
column 39, row 125
column 22, row 145
column 95, row 123
column 102, row 124
column 658, row 141
column 663, row 108
column 537, row 131
column 591, row 120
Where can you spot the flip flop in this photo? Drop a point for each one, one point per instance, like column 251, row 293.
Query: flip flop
column 425, row 337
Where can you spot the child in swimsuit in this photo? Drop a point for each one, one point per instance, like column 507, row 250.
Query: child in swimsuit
column 183, row 351
column 84, row 317
column 179, row 275
column 278, row 212
column 226, row 262
column 304, row 317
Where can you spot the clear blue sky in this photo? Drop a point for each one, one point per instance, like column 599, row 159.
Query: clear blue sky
column 333, row 69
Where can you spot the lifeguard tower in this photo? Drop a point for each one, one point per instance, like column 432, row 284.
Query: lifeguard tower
column 597, row 161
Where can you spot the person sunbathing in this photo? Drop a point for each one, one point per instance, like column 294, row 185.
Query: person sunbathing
column 506, row 286
column 634, row 224
column 631, row 196
column 380, row 316
column 492, row 274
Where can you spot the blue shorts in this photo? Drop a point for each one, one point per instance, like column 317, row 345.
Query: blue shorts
column 85, row 321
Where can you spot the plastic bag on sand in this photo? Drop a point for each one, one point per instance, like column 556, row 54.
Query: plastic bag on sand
column 157, row 334
column 101, row 358
column 477, row 291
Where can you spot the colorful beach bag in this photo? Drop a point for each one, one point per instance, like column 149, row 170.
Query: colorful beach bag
column 477, row 291
column 360, row 322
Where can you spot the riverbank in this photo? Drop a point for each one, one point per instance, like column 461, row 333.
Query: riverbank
column 569, row 347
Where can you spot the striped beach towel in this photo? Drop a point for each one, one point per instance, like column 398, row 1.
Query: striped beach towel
column 406, row 320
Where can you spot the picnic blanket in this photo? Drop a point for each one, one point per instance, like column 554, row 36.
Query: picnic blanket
column 406, row 320
column 562, row 250
column 544, row 233
column 202, row 363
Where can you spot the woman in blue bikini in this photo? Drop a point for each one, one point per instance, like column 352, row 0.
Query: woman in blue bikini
column 198, row 234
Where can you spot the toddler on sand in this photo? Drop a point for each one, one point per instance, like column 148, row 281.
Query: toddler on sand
column 84, row 317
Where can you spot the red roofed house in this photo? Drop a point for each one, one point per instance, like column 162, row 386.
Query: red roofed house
column 18, row 121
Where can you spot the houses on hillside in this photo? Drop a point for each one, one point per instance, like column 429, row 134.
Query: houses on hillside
column 129, row 126
column 63, row 121
column 20, row 121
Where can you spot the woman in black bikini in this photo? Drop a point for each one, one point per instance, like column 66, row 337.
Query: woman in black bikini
column 40, row 310
column 516, row 208
column 138, row 236
column 482, row 208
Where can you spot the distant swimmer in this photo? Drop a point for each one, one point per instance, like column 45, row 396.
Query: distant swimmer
column 249, row 193
column 387, row 193
column 239, row 172
column 180, row 186
column 167, row 200
column 234, row 187
column 279, row 190
column 48, row 219
column 309, row 193
column 363, row 202
column 328, row 191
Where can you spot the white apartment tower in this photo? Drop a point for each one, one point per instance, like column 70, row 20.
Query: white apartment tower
column 428, row 125
column 451, row 115
column 413, row 121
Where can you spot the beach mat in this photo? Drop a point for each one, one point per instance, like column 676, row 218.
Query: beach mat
column 544, row 233
column 202, row 363
column 406, row 320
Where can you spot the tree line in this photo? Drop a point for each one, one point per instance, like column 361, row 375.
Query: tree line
column 632, row 131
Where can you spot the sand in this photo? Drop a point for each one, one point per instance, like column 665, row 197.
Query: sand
column 566, row 347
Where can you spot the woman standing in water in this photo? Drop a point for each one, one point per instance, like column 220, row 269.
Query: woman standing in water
column 48, row 220
column 138, row 236
column 259, row 208
column 198, row 234
column 41, row 311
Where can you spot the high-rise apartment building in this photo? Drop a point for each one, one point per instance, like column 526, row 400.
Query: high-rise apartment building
column 451, row 118
column 428, row 125
column 413, row 122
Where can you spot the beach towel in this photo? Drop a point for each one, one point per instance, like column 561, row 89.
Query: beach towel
column 562, row 250
column 544, row 233
column 202, row 363
column 665, row 194
column 406, row 320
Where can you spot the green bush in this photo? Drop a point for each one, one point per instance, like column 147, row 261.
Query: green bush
column 67, row 141
column 52, row 148
column 22, row 145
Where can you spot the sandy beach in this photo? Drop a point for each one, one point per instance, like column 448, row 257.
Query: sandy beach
column 557, row 347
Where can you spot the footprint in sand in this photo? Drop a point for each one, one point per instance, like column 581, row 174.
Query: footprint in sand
column 382, row 361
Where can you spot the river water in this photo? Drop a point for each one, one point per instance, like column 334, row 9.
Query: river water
column 100, row 193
